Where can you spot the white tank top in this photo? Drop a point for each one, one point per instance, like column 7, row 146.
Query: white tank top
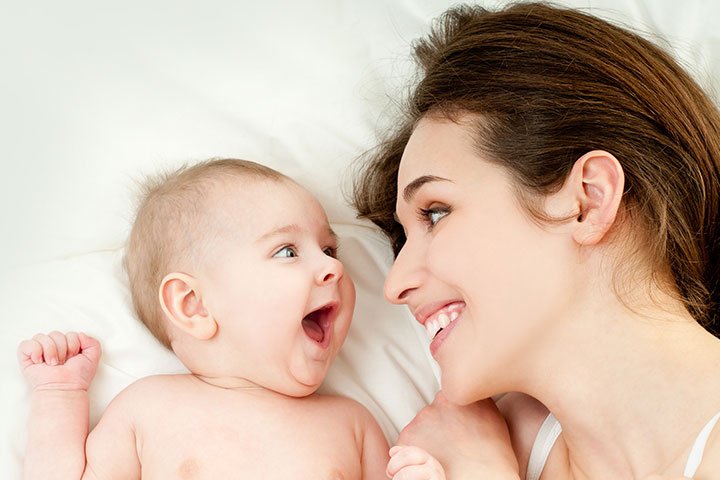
column 551, row 429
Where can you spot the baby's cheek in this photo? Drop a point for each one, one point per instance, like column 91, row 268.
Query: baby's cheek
column 345, row 316
column 347, row 287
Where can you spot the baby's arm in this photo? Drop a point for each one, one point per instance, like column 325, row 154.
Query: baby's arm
column 371, row 440
column 374, row 446
column 413, row 463
column 112, row 451
column 58, row 369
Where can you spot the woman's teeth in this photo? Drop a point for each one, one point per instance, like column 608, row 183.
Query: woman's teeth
column 442, row 320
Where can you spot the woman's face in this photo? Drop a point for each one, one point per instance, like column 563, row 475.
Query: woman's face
column 474, row 258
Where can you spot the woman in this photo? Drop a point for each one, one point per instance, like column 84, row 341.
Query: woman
column 553, row 200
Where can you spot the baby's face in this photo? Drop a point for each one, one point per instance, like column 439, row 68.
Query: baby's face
column 271, row 279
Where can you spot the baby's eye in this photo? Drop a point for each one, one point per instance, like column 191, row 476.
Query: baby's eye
column 330, row 252
column 286, row 252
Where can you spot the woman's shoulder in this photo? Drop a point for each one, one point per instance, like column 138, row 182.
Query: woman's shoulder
column 524, row 416
column 710, row 465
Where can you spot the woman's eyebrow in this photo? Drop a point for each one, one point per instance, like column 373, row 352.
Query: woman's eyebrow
column 412, row 187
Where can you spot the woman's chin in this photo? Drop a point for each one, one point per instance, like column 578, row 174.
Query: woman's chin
column 461, row 392
column 458, row 393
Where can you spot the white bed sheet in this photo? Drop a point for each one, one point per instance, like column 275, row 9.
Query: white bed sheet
column 94, row 95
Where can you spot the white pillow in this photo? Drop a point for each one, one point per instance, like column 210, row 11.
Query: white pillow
column 89, row 293
column 94, row 96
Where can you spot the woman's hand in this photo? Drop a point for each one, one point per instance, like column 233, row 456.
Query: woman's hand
column 469, row 441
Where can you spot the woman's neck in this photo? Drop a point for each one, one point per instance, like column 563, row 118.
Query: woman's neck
column 631, row 390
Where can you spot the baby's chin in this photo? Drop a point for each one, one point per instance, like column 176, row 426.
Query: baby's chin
column 297, row 390
column 306, row 381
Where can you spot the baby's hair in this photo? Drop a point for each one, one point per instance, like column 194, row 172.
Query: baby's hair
column 167, row 231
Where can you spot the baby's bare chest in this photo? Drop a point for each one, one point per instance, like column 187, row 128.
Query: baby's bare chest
column 254, row 443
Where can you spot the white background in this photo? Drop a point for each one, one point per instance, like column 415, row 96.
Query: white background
column 94, row 93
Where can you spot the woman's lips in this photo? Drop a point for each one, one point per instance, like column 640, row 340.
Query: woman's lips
column 427, row 311
column 443, row 334
column 442, row 318
column 439, row 319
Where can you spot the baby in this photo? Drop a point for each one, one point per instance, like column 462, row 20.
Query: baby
column 233, row 266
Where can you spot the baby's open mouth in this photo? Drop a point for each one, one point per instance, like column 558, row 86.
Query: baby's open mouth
column 318, row 322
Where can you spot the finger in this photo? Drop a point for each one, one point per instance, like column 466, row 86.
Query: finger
column 405, row 456
column 90, row 348
column 418, row 472
column 60, row 345
column 73, row 342
column 29, row 352
column 49, row 351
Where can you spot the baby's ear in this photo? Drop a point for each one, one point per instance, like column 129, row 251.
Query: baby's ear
column 182, row 303
column 596, row 183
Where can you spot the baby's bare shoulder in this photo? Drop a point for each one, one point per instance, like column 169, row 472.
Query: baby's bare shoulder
column 345, row 405
column 158, row 384
column 146, row 391
column 349, row 412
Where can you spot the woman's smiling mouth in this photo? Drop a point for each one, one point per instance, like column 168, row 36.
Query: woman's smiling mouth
column 439, row 319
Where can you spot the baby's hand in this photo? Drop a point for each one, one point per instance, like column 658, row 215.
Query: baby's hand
column 413, row 463
column 59, row 361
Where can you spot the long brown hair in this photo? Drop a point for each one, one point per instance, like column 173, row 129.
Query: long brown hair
column 546, row 85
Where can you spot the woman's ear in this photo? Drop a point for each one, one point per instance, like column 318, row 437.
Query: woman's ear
column 596, row 182
column 181, row 301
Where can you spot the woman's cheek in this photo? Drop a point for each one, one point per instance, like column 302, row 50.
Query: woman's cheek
column 445, row 254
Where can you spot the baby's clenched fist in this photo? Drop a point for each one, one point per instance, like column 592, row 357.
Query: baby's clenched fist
column 58, row 361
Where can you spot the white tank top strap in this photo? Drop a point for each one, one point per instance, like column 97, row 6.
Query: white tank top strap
column 549, row 432
column 696, row 453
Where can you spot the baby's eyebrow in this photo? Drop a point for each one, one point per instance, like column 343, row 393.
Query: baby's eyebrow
column 411, row 188
column 292, row 228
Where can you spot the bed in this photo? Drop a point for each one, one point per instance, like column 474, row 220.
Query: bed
column 96, row 94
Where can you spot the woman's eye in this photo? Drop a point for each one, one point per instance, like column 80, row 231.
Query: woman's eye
column 431, row 216
column 286, row 252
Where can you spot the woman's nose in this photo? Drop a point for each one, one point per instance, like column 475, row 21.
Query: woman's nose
column 405, row 275
column 331, row 271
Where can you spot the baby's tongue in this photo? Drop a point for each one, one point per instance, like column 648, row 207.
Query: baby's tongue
column 313, row 330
